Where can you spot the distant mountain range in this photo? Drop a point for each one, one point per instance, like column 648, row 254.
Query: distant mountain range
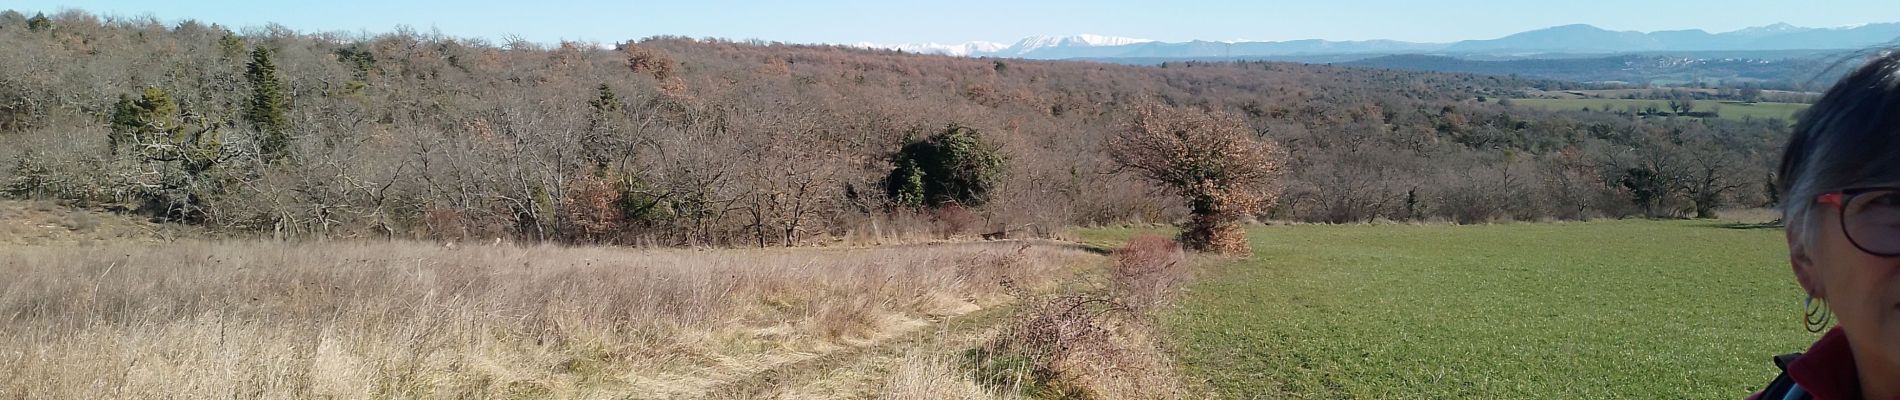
column 1025, row 48
column 1796, row 72
column 1561, row 40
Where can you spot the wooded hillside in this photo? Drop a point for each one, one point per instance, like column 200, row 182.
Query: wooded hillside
column 677, row 141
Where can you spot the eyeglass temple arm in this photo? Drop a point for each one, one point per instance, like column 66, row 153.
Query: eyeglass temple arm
column 1834, row 198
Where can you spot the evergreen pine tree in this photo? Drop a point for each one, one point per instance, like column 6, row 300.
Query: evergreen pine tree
column 126, row 123
column 151, row 118
column 599, row 143
column 230, row 45
column 606, row 102
column 266, row 110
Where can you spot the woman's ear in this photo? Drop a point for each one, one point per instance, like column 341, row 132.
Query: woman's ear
column 1804, row 269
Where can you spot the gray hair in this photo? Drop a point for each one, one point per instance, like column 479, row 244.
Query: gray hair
column 1848, row 139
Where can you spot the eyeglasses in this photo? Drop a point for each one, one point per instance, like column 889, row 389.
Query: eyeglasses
column 1870, row 217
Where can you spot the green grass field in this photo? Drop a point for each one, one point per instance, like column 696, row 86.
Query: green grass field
column 1783, row 111
column 1612, row 309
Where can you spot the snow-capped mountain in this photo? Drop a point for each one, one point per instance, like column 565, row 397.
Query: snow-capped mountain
column 1567, row 39
column 977, row 48
column 1033, row 43
column 1590, row 39
column 1025, row 47
column 1768, row 30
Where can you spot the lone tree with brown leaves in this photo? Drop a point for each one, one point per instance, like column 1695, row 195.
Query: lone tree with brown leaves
column 1210, row 159
column 648, row 60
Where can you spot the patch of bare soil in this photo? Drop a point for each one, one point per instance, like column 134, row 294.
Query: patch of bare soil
column 47, row 223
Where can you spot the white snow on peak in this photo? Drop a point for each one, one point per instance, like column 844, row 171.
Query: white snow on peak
column 1025, row 46
column 985, row 47
column 1032, row 43
column 1099, row 40
column 1776, row 28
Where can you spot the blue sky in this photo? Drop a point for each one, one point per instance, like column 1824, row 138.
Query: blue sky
column 899, row 21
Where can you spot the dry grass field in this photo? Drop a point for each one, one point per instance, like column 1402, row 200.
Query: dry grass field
column 250, row 319
column 47, row 223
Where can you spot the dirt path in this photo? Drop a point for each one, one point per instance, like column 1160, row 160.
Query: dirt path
column 858, row 373
column 861, row 372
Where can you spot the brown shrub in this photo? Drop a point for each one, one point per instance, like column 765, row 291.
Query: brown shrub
column 648, row 60
column 591, row 210
column 1095, row 345
column 955, row 220
column 1216, row 233
column 1148, row 270
column 1212, row 160
column 1084, row 346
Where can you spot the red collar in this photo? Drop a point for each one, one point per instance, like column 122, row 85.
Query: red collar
column 1826, row 370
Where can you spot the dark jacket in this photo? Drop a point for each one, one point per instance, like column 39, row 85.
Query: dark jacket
column 1825, row 372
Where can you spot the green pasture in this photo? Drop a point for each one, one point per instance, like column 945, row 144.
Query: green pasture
column 1727, row 110
column 1610, row 309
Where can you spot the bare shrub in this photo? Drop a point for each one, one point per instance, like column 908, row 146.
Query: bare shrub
column 1079, row 346
column 1148, row 270
column 1034, row 351
column 955, row 220
column 1573, row 186
column 1094, row 344
column 1490, row 190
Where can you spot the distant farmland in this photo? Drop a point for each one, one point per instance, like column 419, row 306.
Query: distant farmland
column 1729, row 110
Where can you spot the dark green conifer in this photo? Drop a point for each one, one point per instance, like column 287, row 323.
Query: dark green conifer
column 267, row 107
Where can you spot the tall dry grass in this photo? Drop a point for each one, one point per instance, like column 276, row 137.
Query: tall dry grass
column 931, row 376
column 364, row 320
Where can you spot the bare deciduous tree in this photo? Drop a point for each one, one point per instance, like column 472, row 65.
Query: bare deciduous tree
column 708, row 142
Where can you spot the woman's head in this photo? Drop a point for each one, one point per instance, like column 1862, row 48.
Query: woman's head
column 1839, row 223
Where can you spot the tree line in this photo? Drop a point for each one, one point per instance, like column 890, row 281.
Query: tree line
column 680, row 141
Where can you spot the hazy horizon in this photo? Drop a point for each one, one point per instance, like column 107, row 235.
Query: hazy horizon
column 846, row 22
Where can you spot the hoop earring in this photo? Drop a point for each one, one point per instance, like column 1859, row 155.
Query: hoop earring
column 1815, row 316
